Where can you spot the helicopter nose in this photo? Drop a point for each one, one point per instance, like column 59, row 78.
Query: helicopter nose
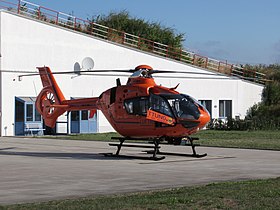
column 203, row 119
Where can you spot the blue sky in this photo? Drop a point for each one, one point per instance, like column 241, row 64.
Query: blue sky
column 237, row 31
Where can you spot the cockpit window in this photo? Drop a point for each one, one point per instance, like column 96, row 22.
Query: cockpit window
column 159, row 104
column 183, row 106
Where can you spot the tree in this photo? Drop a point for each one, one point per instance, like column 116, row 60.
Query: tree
column 271, row 92
column 122, row 21
column 266, row 115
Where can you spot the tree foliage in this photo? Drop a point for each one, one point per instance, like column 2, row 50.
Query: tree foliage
column 122, row 21
column 271, row 92
column 266, row 115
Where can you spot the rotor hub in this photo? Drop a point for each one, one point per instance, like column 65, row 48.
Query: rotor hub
column 143, row 67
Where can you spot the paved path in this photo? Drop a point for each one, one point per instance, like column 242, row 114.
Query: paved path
column 43, row 169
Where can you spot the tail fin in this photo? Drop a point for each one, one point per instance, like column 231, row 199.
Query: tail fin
column 48, row 80
column 49, row 102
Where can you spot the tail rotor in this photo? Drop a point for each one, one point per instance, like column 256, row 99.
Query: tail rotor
column 49, row 102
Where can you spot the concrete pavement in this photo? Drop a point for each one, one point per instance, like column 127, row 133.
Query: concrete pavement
column 47, row 169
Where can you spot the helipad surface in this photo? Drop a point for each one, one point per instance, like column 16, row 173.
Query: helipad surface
column 47, row 169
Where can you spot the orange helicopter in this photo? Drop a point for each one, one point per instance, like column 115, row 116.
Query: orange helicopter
column 141, row 109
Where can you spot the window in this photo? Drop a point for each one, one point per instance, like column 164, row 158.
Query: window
column 207, row 104
column 32, row 115
column 183, row 106
column 84, row 114
column 37, row 115
column 137, row 106
column 29, row 112
column 160, row 104
column 129, row 106
column 225, row 108
column 75, row 116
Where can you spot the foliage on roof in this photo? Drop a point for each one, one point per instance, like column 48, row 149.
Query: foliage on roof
column 266, row 114
column 122, row 21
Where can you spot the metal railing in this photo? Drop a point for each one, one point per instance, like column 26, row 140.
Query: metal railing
column 94, row 29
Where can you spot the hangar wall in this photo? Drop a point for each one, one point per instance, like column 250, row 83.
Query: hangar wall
column 28, row 43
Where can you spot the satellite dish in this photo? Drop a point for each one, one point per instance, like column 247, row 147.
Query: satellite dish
column 87, row 63
column 77, row 68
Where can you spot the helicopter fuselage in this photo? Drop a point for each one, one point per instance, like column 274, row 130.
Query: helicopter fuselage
column 142, row 109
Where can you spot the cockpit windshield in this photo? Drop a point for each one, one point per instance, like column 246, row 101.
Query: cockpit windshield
column 172, row 105
column 183, row 106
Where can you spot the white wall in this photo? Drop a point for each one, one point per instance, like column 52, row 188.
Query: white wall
column 26, row 44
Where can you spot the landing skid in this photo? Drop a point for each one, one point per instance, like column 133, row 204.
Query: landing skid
column 194, row 154
column 133, row 157
column 156, row 150
column 178, row 154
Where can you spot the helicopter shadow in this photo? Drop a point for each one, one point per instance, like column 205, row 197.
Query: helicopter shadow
column 58, row 155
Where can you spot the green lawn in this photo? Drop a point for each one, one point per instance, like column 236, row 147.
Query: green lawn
column 238, row 139
column 256, row 194
column 87, row 137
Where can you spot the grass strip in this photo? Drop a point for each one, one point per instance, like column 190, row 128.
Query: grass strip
column 269, row 140
column 254, row 194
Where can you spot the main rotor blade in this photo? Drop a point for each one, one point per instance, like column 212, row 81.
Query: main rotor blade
column 91, row 73
column 84, row 71
column 123, row 71
column 185, row 72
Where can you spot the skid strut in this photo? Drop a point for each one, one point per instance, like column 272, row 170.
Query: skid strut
column 121, row 144
column 193, row 147
column 194, row 154
column 155, row 149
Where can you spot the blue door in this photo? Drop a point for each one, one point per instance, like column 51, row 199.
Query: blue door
column 75, row 122
column 82, row 122
column 88, row 124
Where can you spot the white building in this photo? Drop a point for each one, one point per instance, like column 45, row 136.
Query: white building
column 28, row 43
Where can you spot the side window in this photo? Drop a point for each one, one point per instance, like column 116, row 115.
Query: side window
column 137, row 106
column 160, row 105
column 143, row 106
column 129, row 106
